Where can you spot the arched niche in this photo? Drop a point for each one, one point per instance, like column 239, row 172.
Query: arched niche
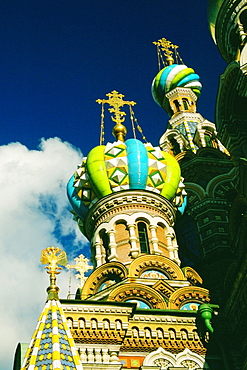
column 111, row 272
column 136, row 291
column 190, row 294
column 160, row 263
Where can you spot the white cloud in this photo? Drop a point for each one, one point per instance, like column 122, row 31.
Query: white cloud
column 34, row 214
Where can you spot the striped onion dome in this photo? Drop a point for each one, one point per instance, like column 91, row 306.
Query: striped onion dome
column 175, row 75
column 52, row 345
column 121, row 166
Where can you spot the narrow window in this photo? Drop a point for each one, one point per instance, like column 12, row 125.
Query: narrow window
column 185, row 103
column 177, row 105
column 143, row 237
column 105, row 242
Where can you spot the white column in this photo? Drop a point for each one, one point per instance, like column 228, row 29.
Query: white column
column 105, row 356
column 172, row 246
column 90, row 355
column 83, row 356
column 98, row 251
column 134, row 251
column 154, row 239
column 169, row 236
column 112, row 246
column 98, row 358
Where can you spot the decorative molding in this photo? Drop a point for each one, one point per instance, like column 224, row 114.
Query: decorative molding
column 128, row 201
column 161, row 358
column 138, row 291
column 192, row 275
column 161, row 263
column 100, row 275
column 188, row 294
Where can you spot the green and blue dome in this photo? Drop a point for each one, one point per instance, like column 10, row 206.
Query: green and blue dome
column 175, row 75
column 121, row 166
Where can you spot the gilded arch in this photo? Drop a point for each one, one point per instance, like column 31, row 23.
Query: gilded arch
column 186, row 295
column 100, row 275
column 161, row 263
column 138, row 291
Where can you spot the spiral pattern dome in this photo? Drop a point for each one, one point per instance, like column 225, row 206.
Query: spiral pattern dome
column 122, row 166
column 175, row 75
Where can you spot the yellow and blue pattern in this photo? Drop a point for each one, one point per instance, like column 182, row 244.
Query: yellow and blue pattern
column 52, row 345
column 122, row 166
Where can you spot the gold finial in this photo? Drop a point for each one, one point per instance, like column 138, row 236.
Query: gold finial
column 53, row 256
column 168, row 49
column 115, row 100
column 82, row 266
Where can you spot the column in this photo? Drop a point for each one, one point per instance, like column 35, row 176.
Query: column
column 98, row 251
column 154, row 239
column 112, row 246
column 134, row 251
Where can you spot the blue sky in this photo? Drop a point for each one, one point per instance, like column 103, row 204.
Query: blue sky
column 56, row 59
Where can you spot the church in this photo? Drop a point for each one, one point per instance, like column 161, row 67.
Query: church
column 167, row 228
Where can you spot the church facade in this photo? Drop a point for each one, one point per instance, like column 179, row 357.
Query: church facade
column 167, row 229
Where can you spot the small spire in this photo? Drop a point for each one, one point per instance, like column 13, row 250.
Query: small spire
column 53, row 256
column 169, row 50
column 115, row 100
column 82, row 266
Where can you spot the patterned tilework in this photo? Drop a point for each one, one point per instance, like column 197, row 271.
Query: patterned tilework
column 52, row 346
column 157, row 168
column 82, row 185
column 117, row 166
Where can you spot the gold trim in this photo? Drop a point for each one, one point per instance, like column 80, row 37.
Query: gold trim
column 100, row 275
column 138, row 291
column 161, row 263
column 186, row 295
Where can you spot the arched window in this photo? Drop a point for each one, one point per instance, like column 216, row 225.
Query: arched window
column 185, row 103
column 118, row 324
column 81, row 323
column 106, row 324
column 177, row 105
column 160, row 333
column 175, row 146
column 135, row 332
column 143, row 237
column 94, row 324
column 70, row 322
column 105, row 241
column 147, row 332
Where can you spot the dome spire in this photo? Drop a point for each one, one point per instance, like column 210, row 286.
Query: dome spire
column 53, row 256
column 115, row 100
column 166, row 49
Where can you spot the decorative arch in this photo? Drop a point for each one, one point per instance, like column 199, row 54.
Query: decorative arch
column 219, row 181
column 192, row 275
column 129, row 219
column 186, row 295
column 189, row 359
column 101, row 274
column 211, row 152
column 160, row 263
column 138, row 291
column 161, row 358
column 196, row 190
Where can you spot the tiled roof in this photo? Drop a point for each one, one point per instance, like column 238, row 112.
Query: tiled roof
column 52, row 346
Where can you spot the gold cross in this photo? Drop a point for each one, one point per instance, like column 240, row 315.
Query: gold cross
column 165, row 45
column 115, row 100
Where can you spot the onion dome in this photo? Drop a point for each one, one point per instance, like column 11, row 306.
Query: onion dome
column 170, row 77
column 121, row 166
column 213, row 11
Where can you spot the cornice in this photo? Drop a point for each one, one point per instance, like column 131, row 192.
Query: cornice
column 127, row 201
